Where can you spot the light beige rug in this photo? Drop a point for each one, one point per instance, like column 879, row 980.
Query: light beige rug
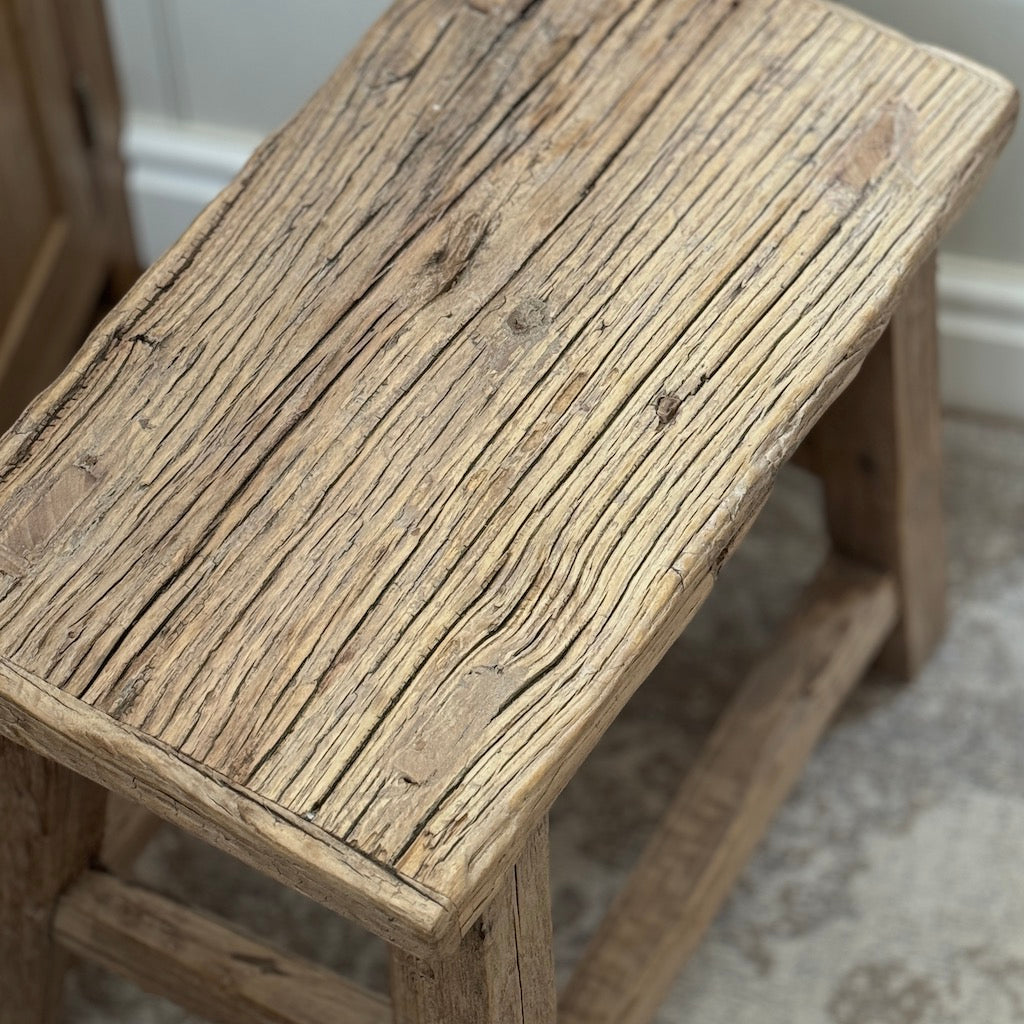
column 891, row 888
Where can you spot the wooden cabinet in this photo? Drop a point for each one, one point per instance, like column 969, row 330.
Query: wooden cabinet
column 64, row 232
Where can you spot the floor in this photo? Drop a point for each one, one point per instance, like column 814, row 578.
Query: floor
column 890, row 889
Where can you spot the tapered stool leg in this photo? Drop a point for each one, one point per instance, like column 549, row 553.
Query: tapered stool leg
column 51, row 826
column 504, row 971
column 878, row 450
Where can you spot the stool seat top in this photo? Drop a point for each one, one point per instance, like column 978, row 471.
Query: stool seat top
column 353, row 526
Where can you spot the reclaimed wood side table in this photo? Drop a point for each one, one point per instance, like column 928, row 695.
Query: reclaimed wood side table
column 355, row 524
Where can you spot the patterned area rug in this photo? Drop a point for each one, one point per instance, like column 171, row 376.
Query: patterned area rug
column 890, row 889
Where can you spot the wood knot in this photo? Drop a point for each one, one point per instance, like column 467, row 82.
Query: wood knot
column 529, row 316
column 86, row 461
column 667, row 406
column 447, row 265
column 886, row 140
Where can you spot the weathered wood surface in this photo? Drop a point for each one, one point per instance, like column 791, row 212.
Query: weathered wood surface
column 256, row 831
column 381, row 493
column 51, row 824
column 203, row 964
column 878, row 450
column 504, row 972
column 749, row 764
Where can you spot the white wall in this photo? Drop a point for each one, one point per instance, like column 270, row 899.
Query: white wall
column 244, row 64
column 204, row 80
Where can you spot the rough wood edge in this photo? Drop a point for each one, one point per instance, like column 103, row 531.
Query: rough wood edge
column 965, row 63
column 728, row 799
column 259, row 833
column 201, row 963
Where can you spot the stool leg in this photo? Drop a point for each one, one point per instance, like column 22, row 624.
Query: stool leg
column 878, row 449
column 51, row 826
column 504, row 971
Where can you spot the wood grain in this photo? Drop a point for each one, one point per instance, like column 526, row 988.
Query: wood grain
column 752, row 759
column 51, row 825
column 504, row 973
column 201, row 963
column 878, row 450
column 267, row 837
column 380, row 494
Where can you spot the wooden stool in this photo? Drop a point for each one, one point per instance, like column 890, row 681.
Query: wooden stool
column 349, row 532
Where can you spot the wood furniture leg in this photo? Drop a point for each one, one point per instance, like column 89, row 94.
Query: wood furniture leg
column 504, row 971
column 52, row 826
column 878, row 451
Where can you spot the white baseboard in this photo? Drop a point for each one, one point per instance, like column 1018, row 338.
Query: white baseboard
column 174, row 170
column 981, row 332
